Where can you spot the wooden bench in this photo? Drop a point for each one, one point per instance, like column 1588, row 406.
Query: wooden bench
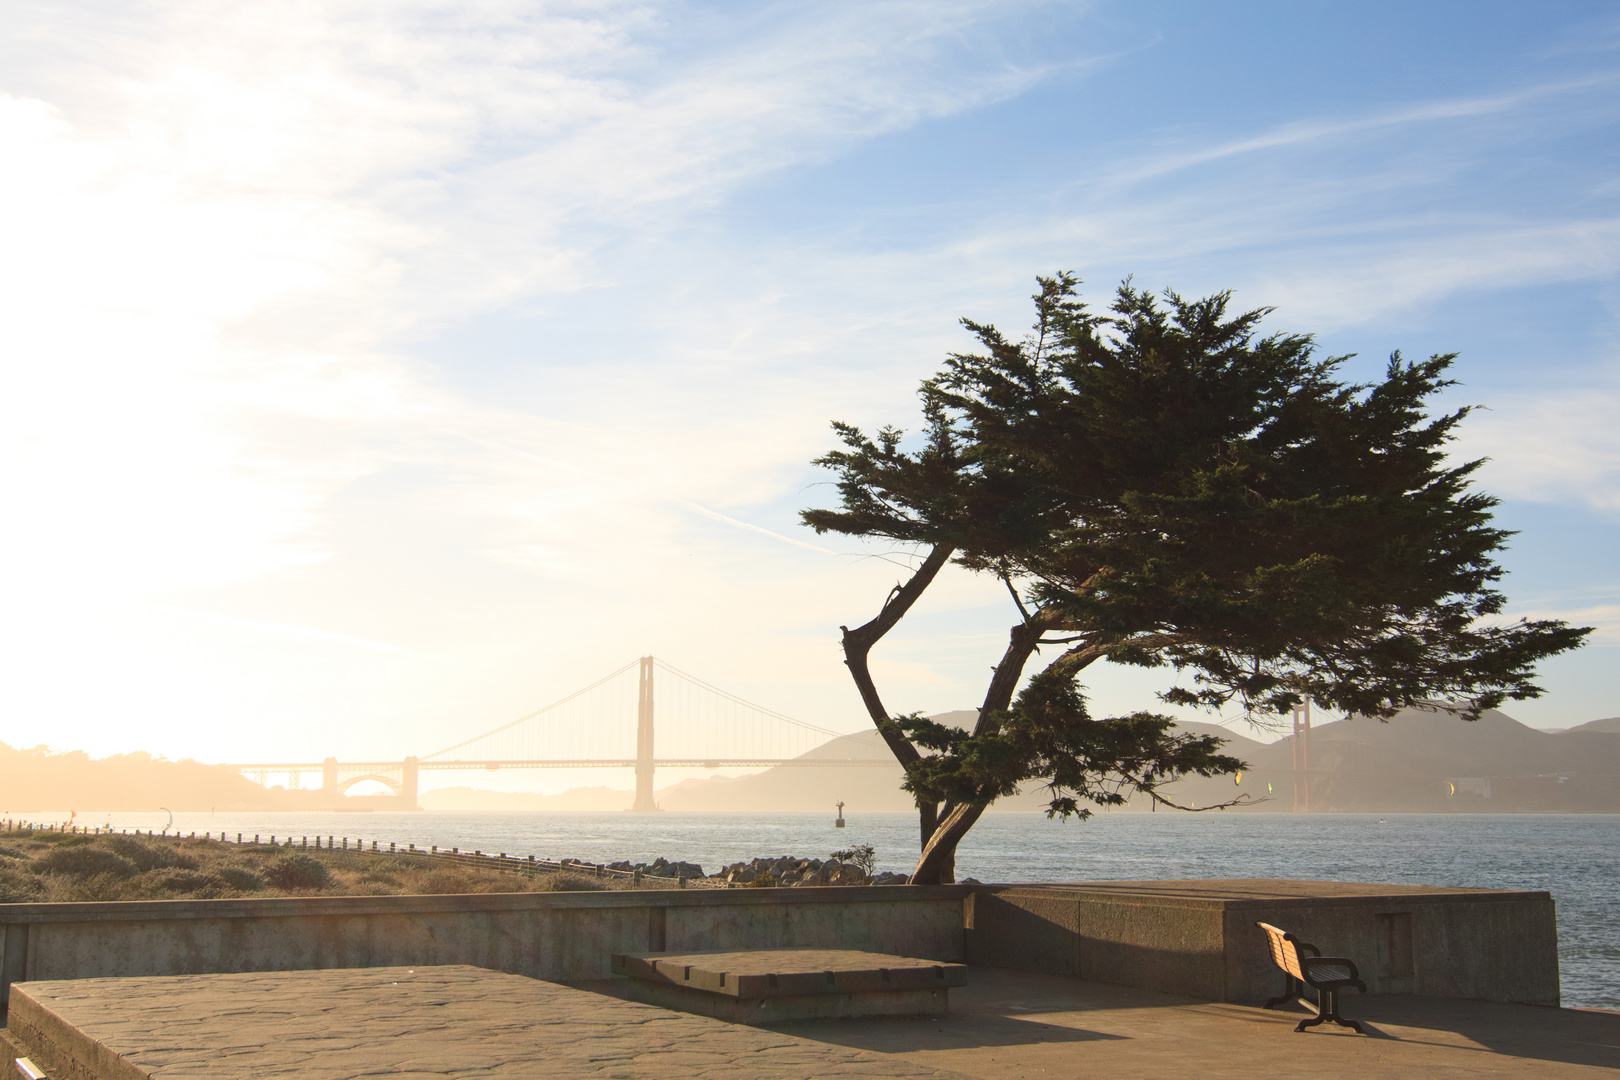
column 767, row 986
column 1304, row 965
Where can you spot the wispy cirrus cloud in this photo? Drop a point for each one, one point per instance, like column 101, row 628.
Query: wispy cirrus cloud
column 224, row 225
column 1331, row 131
column 1551, row 445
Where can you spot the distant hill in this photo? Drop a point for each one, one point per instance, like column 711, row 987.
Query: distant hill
column 1423, row 761
column 792, row 788
column 41, row 779
column 1419, row 762
column 805, row 788
column 1611, row 723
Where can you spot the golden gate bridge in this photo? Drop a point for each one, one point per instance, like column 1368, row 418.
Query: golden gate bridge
column 606, row 725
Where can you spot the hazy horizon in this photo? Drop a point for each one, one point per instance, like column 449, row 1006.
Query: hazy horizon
column 1421, row 761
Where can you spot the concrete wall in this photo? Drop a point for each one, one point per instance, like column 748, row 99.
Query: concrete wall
column 1192, row 938
column 1156, row 943
column 1200, row 938
column 558, row 936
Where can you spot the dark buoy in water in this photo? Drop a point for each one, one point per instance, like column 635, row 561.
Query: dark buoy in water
column 839, row 824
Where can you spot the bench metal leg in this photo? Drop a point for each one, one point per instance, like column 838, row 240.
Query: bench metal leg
column 1327, row 1009
column 1292, row 989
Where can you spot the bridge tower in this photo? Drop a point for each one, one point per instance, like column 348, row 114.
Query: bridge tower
column 644, row 740
column 1302, row 758
column 408, row 771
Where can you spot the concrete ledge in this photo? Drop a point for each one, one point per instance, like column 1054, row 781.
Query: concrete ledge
column 558, row 936
column 259, row 908
column 772, row 985
column 784, row 972
column 781, row 1009
column 1198, row 938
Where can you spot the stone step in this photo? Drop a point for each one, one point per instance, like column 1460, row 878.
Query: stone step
column 773, row 985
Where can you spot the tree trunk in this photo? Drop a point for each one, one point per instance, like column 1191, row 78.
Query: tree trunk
column 937, row 864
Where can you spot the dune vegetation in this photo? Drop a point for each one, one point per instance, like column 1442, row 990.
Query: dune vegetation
column 38, row 866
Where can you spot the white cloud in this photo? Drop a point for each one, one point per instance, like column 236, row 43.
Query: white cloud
column 1550, row 445
column 1603, row 618
column 1331, row 131
column 223, row 222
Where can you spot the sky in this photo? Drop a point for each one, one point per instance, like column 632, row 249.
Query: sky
column 375, row 374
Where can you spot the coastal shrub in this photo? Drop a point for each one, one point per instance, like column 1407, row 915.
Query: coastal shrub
column 240, row 877
column 439, row 882
column 364, row 885
column 564, row 883
column 175, row 881
column 85, row 862
column 862, row 855
column 19, row 887
column 372, row 877
column 147, row 856
column 97, row 888
column 392, row 864
column 297, row 871
column 121, row 867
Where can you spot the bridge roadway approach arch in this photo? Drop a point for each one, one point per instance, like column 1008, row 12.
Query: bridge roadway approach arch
column 401, row 777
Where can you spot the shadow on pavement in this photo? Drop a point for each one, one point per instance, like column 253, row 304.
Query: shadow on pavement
column 898, row 1036
column 1021, row 1021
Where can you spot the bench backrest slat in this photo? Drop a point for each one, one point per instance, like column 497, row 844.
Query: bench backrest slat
column 1283, row 953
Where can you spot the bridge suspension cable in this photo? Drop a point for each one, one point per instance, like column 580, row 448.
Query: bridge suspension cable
column 611, row 723
column 555, row 705
column 608, row 720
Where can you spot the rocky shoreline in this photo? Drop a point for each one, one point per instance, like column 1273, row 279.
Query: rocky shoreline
column 779, row 872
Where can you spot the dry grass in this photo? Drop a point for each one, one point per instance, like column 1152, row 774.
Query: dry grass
column 50, row 867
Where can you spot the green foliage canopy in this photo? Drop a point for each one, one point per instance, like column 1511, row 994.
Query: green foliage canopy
column 1162, row 485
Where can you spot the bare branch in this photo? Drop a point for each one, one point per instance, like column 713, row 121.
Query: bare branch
column 858, row 645
column 1150, row 789
column 1022, row 610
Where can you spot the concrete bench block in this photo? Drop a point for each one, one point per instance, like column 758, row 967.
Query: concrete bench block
column 772, row 985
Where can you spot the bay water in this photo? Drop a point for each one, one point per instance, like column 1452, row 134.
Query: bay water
column 1575, row 857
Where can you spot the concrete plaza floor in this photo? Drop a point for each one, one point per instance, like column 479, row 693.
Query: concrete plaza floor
column 1016, row 1025
column 457, row 1022
column 1009, row 1025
